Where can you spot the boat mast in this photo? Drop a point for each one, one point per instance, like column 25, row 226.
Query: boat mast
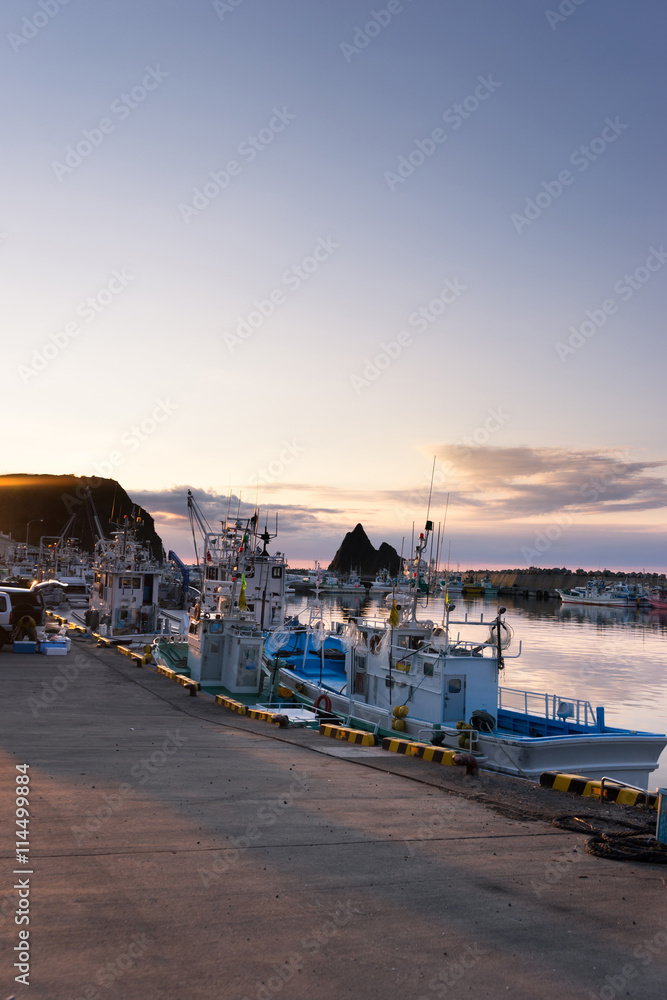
column 423, row 542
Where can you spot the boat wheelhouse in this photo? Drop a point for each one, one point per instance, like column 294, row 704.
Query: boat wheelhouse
column 126, row 579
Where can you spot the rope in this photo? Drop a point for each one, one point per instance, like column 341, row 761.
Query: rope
column 636, row 844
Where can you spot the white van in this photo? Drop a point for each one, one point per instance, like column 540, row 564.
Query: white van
column 15, row 602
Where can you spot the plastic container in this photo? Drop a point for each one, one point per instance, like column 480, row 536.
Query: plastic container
column 661, row 832
column 25, row 646
column 53, row 648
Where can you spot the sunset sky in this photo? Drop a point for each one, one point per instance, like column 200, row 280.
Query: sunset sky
column 295, row 251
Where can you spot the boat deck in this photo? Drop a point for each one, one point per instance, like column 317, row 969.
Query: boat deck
column 180, row 850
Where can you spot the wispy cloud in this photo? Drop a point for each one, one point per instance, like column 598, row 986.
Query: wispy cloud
column 518, row 483
column 172, row 505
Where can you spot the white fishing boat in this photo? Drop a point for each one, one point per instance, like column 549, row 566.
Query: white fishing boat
column 382, row 584
column 433, row 684
column 351, row 584
column 597, row 592
column 126, row 579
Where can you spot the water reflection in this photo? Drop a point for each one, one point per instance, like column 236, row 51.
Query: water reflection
column 614, row 657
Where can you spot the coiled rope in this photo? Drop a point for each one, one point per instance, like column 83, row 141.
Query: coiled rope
column 635, row 844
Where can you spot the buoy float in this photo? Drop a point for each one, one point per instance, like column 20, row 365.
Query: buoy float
column 323, row 698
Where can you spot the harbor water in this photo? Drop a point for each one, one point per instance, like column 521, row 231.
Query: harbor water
column 615, row 657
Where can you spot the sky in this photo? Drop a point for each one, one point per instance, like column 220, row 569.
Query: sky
column 294, row 252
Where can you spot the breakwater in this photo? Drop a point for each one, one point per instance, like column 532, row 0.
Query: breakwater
column 548, row 581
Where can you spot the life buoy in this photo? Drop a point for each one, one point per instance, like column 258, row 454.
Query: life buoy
column 325, row 699
column 374, row 644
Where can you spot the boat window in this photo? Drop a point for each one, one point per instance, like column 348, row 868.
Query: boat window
column 126, row 581
column 3, row 602
column 276, row 572
column 360, row 661
column 402, row 641
column 97, row 577
column 136, row 582
column 454, row 686
column 428, row 668
column 211, row 572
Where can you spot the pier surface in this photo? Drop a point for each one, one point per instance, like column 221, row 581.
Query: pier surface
column 178, row 850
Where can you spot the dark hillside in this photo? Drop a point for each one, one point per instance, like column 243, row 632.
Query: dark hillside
column 25, row 497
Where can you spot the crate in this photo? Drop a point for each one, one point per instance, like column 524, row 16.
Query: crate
column 25, row 646
column 53, row 648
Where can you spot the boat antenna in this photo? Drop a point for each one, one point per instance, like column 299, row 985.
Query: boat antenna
column 430, row 492
column 449, row 552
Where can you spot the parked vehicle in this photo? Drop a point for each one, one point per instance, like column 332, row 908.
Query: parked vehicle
column 15, row 602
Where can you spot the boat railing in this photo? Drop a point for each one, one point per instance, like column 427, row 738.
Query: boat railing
column 549, row 706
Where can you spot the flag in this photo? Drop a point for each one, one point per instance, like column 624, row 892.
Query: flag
column 242, row 600
column 393, row 615
column 209, row 557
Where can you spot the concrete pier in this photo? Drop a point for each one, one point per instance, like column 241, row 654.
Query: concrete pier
column 177, row 850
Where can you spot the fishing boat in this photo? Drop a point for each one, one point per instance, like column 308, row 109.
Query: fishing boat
column 658, row 599
column 479, row 588
column 431, row 683
column 382, row 584
column 126, row 579
column 597, row 592
column 451, row 584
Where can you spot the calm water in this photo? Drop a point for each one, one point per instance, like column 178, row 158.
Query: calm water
column 614, row 657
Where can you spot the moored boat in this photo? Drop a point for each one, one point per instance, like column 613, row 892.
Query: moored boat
column 596, row 592
column 426, row 681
